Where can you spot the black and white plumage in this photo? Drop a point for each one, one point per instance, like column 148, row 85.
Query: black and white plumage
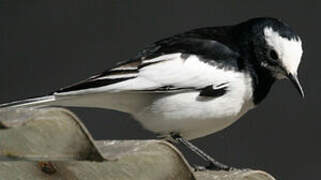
column 192, row 84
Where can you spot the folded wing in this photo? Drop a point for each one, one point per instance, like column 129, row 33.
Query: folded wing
column 170, row 65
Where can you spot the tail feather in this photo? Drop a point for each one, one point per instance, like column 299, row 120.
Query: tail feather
column 124, row 102
column 32, row 102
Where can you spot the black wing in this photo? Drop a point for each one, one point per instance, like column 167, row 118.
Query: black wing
column 200, row 43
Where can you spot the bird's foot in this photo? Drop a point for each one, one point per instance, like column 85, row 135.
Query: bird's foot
column 215, row 167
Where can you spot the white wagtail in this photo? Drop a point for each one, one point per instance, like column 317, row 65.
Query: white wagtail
column 191, row 84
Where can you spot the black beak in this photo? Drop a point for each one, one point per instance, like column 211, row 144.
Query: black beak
column 294, row 79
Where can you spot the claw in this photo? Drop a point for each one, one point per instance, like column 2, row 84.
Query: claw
column 199, row 168
column 213, row 167
column 219, row 167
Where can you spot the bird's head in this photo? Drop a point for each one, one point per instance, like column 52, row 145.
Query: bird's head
column 277, row 49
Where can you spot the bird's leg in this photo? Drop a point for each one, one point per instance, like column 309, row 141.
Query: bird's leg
column 213, row 164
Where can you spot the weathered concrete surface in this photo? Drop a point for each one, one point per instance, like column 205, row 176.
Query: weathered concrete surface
column 52, row 143
column 50, row 134
column 233, row 175
column 135, row 160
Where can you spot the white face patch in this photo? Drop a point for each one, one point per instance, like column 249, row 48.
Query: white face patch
column 289, row 51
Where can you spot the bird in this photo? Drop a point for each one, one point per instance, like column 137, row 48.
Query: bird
column 191, row 84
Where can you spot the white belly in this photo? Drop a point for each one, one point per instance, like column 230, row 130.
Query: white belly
column 188, row 114
column 191, row 115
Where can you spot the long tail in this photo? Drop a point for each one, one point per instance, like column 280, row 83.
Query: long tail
column 32, row 102
column 125, row 102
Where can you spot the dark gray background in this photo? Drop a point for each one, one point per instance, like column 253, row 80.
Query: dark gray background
column 48, row 44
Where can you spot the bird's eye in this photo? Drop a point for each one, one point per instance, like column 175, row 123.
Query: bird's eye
column 274, row 55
